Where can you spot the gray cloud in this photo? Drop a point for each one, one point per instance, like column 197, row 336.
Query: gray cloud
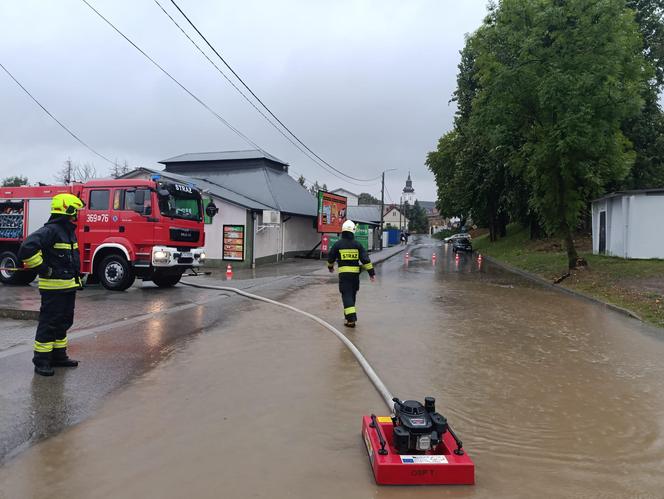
column 365, row 84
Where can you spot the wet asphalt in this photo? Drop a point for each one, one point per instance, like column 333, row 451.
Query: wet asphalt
column 553, row 396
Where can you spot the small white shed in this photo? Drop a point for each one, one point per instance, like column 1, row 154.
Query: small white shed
column 629, row 224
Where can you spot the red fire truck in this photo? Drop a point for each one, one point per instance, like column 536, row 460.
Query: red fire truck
column 150, row 229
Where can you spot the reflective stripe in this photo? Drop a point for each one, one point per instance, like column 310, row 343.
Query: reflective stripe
column 43, row 347
column 367, row 266
column 350, row 310
column 75, row 246
column 52, row 284
column 60, row 343
column 34, row 261
column 62, row 246
column 349, row 254
column 350, row 270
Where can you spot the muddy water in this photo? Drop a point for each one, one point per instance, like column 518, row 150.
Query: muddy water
column 553, row 397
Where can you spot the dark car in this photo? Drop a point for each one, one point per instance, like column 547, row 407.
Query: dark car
column 462, row 244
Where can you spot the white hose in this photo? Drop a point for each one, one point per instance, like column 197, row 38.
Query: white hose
column 378, row 383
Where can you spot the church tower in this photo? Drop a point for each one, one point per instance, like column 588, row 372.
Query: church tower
column 408, row 195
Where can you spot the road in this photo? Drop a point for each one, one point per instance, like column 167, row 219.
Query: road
column 553, row 397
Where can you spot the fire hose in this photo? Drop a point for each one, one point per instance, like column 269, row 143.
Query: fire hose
column 377, row 382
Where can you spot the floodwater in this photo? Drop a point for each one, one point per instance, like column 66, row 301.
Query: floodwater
column 552, row 396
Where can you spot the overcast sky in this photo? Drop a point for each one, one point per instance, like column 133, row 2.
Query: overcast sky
column 365, row 84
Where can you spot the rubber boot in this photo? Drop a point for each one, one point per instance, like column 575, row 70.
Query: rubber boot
column 349, row 323
column 42, row 362
column 60, row 359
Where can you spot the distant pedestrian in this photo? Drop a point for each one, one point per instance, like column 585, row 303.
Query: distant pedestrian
column 402, row 238
column 406, row 236
column 52, row 251
column 352, row 259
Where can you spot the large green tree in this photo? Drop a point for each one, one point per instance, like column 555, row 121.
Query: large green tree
column 557, row 78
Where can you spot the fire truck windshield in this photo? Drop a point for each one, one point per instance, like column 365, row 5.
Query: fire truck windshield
column 181, row 202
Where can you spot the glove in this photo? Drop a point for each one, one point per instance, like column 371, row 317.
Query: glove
column 331, row 269
column 372, row 278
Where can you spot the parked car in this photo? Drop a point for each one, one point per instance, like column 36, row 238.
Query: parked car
column 454, row 237
column 462, row 244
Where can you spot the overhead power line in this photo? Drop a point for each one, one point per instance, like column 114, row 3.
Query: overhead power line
column 76, row 137
column 262, row 103
column 191, row 94
column 280, row 130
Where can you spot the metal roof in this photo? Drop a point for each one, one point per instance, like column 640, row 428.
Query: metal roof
column 364, row 214
column 214, row 190
column 647, row 192
column 222, row 156
column 259, row 188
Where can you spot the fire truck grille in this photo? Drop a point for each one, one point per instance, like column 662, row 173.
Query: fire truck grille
column 188, row 235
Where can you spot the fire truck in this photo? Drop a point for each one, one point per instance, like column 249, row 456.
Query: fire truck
column 150, row 229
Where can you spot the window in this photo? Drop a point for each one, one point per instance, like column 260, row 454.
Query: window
column 99, row 200
column 117, row 200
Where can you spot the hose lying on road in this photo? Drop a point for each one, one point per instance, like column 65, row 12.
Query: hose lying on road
column 378, row 383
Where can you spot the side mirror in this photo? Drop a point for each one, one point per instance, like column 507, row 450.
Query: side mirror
column 211, row 209
column 139, row 197
column 163, row 193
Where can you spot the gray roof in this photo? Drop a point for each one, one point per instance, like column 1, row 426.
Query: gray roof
column 647, row 192
column 222, row 156
column 256, row 189
column 268, row 186
column 364, row 214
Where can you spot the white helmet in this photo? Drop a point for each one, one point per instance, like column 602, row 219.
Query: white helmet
column 348, row 226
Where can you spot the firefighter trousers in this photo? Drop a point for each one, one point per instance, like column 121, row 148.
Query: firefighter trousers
column 56, row 316
column 349, row 284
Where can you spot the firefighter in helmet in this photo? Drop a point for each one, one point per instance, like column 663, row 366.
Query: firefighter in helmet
column 352, row 259
column 52, row 251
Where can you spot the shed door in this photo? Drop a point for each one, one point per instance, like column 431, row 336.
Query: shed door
column 602, row 232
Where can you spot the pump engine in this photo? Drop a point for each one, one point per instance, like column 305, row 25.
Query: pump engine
column 417, row 427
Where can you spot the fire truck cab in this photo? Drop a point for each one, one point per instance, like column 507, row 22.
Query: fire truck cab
column 150, row 229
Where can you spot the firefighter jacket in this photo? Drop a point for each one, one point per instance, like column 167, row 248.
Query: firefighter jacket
column 351, row 256
column 53, row 252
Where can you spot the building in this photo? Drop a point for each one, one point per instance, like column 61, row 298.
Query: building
column 352, row 199
column 368, row 215
column 628, row 224
column 408, row 195
column 259, row 204
column 394, row 218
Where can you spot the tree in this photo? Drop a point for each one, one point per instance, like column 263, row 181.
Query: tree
column 73, row 172
column 366, row 198
column 560, row 78
column 315, row 188
column 15, row 181
column 301, row 180
column 118, row 170
column 418, row 221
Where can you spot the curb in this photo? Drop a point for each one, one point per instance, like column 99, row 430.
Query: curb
column 22, row 315
column 562, row 289
column 381, row 260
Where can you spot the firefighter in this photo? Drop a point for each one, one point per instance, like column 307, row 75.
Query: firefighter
column 352, row 259
column 53, row 252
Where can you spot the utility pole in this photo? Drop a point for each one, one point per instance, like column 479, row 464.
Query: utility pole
column 382, row 209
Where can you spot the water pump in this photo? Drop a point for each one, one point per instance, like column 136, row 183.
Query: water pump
column 417, row 427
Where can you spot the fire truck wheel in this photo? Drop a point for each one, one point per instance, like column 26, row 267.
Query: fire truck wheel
column 115, row 273
column 166, row 281
column 9, row 260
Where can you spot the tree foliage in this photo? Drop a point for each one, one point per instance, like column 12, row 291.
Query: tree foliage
column 366, row 198
column 544, row 90
column 14, row 181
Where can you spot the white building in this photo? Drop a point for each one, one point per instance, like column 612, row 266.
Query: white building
column 408, row 195
column 352, row 198
column 245, row 185
column 629, row 224
column 393, row 217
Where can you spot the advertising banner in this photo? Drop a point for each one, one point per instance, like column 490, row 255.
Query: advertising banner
column 233, row 242
column 331, row 212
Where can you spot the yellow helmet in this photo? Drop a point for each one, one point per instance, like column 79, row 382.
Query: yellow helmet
column 66, row 204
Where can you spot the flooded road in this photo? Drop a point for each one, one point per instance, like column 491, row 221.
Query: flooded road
column 552, row 396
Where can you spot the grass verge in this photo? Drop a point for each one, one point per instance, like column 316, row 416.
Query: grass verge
column 637, row 285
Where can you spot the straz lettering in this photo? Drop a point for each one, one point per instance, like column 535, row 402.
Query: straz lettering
column 183, row 188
